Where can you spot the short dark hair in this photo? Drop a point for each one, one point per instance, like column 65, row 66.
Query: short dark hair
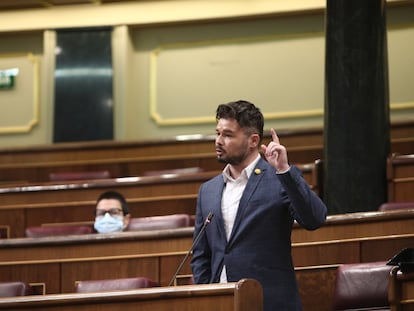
column 116, row 196
column 247, row 115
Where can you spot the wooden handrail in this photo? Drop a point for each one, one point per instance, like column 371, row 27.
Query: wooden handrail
column 245, row 295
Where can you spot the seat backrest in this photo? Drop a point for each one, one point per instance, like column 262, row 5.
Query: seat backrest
column 67, row 176
column 45, row 231
column 11, row 289
column 390, row 206
column 362, row 285
column 159, row 222
column 113, row 284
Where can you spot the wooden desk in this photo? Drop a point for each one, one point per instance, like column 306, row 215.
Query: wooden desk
column 358, row 225
column 36, row 204
column 133, row 158
column 89, row 190
column 117, row 167
column 35, row 164
column 60, row 262
column 245, row 295
column 401, row 290
column 315, row 281
column 39, row 203
column 14, row 218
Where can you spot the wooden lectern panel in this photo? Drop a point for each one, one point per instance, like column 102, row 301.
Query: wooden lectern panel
column 401, row 290
column 245, row 295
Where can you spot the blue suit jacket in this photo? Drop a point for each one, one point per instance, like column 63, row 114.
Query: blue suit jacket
column 259, row 246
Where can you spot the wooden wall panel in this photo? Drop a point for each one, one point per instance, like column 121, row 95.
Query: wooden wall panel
column 101, row 268
column 316, row 287
column 47, row 273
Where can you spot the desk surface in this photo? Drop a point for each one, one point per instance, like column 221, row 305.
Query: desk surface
column 245, row 295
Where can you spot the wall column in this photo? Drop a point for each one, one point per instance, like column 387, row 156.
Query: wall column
column 356, row 130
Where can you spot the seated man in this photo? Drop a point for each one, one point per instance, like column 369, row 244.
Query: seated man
column 112, row 212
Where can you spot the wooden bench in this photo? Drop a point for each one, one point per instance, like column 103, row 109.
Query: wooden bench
column 89, row 190
column 59, row 262
column 172, row 146
column 63, row 273
column 35, row 204
column 358, row 225
column 15, row 218
column 36, row 163
column 116, row 167
column 245, row 295
column 22, row 206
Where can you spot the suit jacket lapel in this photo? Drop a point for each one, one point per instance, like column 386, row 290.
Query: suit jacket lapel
column 216, row 208
column 248, row 192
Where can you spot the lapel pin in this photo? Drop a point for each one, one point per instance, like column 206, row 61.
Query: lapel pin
column 257, row 171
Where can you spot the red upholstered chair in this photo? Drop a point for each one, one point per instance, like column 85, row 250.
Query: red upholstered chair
column 67, row 176
column 47, row 231
column 390, row 206
column 11, row 289
column 159, row 222
column 362, row 286
column 113, row 284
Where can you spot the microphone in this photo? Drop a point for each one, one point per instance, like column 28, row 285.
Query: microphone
column 203, row 228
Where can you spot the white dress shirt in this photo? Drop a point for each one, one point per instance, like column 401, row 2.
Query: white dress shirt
column 231, row 198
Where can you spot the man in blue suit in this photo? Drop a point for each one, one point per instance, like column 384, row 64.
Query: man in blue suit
column 254, row 203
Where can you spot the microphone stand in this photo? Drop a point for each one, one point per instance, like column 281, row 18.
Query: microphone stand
column 203, row 228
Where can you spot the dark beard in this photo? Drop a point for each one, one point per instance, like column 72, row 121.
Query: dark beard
column 232, row 160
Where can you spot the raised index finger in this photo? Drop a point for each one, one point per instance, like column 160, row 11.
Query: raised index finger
column 275, row 138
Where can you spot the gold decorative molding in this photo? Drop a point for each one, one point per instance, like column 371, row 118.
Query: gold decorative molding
column 402, row 106
column 163, row 121
column 303, row 112
column 26, row 128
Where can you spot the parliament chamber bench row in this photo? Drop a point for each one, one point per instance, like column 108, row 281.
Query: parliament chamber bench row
column 56, row 264
column 42, row 203
column 135, row 224
column 120, row 159
column 367, row 286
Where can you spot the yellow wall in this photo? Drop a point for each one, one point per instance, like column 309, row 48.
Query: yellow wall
column 174, row 61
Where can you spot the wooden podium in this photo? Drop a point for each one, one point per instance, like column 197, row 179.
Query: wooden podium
column 245, row 295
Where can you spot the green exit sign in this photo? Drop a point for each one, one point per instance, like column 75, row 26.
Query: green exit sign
column 7, row 78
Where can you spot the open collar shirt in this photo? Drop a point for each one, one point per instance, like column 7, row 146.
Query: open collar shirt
column 231, row 198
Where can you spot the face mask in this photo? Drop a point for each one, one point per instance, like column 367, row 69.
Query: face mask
column 109, row 223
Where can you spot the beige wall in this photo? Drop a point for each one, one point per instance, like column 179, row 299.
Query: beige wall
column 169, row 76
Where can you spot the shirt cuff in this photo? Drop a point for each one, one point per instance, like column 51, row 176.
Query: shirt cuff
column 283, row 172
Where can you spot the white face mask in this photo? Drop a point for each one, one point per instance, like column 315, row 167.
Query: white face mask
column 108, row 223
